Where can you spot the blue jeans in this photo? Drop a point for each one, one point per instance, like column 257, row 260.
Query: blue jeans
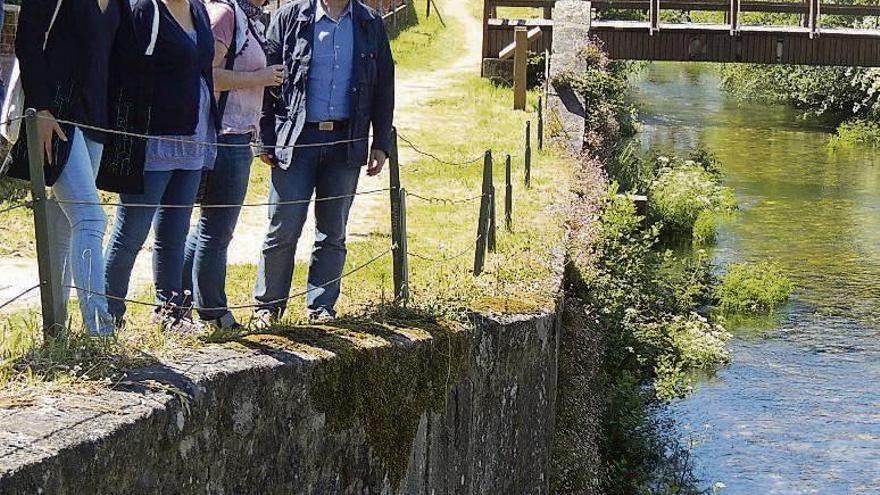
column 321, row 170
column 204, row 271
column 78, row 231
column 132, row 225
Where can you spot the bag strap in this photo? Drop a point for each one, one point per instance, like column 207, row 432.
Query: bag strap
column 231, row 54
column 52, row 24
column 154, row 33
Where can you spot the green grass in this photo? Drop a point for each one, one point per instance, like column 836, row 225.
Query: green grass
column 753, row 288
column 473, row 115
column 427, row 44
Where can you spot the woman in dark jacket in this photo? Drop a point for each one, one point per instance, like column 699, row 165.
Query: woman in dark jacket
column 166, row 93
column 69, row 81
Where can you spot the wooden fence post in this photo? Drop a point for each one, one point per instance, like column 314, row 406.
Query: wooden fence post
column 51, row 292
column 401, row 289
column 508, row 195
column 493, row 225
column 396, row 215
column 540, row 123
column 528, row 155
column 520, row 63
column 483, row 221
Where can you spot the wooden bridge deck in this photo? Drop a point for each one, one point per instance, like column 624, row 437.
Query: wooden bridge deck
column 733, row 41
column 755, row 44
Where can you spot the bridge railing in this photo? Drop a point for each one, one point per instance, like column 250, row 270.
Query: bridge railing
column 810, row 10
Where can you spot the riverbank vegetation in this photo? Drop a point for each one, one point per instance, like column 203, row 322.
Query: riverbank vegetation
column 753, row 288
column 636, row 304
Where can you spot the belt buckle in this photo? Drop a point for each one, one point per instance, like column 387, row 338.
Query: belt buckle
column 325, row 126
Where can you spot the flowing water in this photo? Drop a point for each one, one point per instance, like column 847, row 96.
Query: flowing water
column 798, row 410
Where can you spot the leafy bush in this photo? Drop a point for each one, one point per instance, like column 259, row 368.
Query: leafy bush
column 683, row 191
column 705, row 228
column 857, row 133
column 753, row 288
column 688, row 342
column 645, row 300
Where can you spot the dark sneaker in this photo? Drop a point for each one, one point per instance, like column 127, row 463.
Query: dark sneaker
column 321, row 316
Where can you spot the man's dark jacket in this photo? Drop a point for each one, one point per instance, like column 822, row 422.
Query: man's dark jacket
column 290, row 40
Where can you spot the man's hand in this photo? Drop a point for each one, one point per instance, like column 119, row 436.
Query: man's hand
column 377, row 161
column 48, row 128
column 268, row 159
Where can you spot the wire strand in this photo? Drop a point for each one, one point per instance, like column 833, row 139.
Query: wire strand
column 19, row 296
column 435, row 157
column 204, row 206
column 445, row 201
column 202, row 143
column 244, row 306
column 15, row 207
column 446, row 259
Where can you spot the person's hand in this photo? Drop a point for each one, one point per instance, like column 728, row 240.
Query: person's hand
column 48, row 128
column 377, row 161
column 268, row 159
column 271, row 76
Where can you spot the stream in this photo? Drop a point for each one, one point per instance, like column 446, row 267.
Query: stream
column 798, row 409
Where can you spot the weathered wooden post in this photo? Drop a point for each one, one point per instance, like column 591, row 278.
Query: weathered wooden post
column 527, row 154
column 520, row 63
column 401, row 286
column 540, row 123
column 397, row 232
column 508, row 195
column 483, row 221
column 493, row 225
column 51, row 292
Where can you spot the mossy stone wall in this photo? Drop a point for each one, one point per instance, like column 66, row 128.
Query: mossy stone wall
column 351, row 411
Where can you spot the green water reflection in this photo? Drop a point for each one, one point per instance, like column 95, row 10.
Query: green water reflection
column 799, row 409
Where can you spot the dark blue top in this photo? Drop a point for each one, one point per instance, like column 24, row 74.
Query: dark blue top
column 178, row 68
column 96, row 76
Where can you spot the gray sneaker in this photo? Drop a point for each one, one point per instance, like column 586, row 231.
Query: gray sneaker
column 224, row 327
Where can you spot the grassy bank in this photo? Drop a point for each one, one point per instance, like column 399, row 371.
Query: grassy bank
column 469, row 117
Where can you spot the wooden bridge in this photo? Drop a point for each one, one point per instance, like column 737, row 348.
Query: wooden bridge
column 734, row 41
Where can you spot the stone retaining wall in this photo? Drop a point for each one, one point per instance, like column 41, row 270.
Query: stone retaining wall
column 356, row 410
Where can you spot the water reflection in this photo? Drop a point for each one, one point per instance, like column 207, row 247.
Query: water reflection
column 798, row 411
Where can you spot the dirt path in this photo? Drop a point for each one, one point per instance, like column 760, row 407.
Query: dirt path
column 368, row 212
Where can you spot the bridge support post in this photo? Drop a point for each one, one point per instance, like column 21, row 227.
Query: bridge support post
column 813, row 18
column 654, row 15
column 520, row 66
column 733, row 17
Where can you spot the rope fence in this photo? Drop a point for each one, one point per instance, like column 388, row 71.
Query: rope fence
column 485, row 240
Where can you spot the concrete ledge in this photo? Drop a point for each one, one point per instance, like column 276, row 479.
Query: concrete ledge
column 366, row 409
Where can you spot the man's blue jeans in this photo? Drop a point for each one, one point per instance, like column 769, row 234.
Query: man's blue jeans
column 132, row 225
column 321, row 170
column 204, row 271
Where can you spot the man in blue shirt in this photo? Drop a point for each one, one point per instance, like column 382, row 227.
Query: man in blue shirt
column 315, row 135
